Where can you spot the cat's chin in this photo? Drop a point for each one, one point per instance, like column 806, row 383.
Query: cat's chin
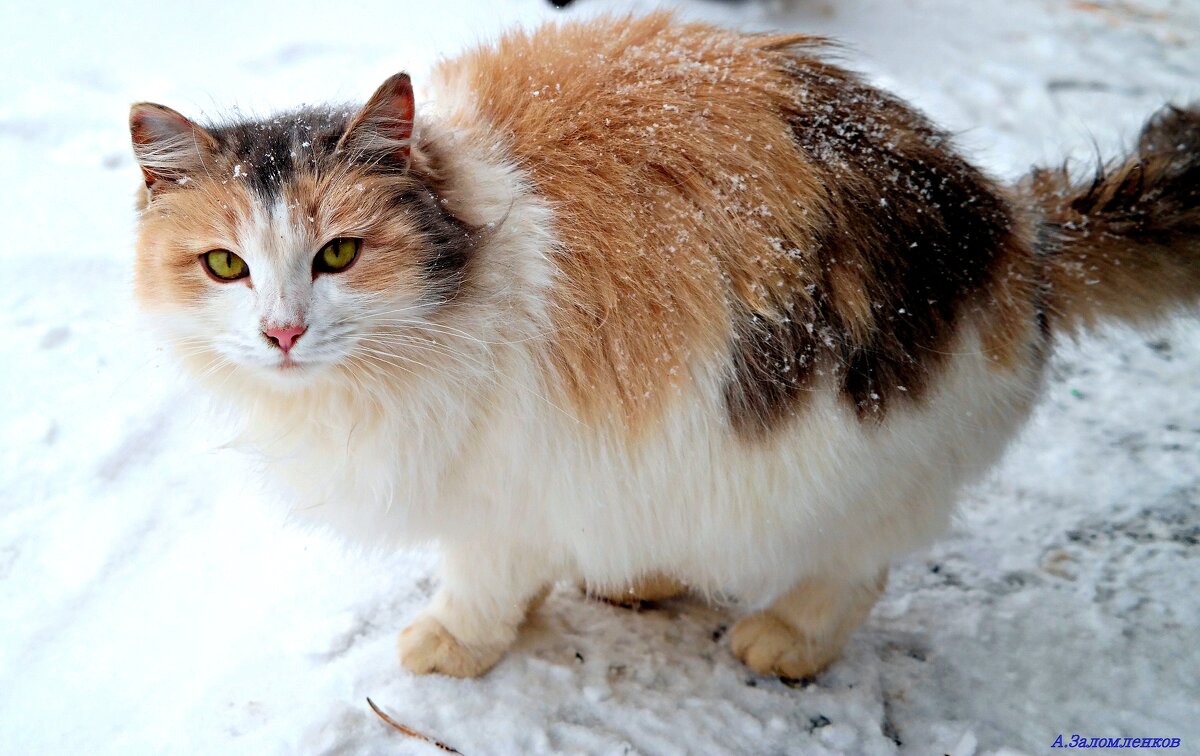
column 290, row 375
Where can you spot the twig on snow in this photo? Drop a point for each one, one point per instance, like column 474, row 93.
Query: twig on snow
column 410, row 732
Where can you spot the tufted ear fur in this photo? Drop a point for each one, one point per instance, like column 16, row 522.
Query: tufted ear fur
column 384, row 125
column 167, row 146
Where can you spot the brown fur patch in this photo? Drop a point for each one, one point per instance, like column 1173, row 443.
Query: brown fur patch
column 912, row 241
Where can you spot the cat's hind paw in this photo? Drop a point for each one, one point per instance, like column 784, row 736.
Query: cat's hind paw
column 770, row 646
column 427, row 647
column 646, row 590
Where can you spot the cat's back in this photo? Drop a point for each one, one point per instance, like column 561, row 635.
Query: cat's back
column 730, row 204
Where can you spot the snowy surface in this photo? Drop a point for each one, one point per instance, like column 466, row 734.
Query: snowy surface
column 153, row 599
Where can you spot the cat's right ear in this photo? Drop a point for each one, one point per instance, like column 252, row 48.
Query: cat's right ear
column 168, row 147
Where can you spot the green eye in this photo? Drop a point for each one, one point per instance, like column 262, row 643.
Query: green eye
column 225, row 265
column 336, row 255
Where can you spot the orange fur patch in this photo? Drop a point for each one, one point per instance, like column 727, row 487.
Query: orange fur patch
column 675, row 181
column 175, row 230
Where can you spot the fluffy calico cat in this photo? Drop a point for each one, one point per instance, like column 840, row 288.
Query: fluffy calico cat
column 645, row 306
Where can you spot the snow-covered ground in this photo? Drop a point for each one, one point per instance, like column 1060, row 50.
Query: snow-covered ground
column 153, row 598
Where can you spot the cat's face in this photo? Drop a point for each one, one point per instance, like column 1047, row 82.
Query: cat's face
column 287, row 247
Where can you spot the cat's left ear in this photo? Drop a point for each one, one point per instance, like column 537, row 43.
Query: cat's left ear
column 384, row 126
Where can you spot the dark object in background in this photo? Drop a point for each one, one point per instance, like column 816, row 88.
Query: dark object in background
column 561, row 3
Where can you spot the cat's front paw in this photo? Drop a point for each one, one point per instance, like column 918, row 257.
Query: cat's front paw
column 427, row 647
column 770, row 646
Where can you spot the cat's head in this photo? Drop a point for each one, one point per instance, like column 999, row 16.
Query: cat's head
column 290, row 248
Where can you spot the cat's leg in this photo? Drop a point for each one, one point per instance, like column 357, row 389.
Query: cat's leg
column 653, row 587
column 803, row 631
column 474, row 617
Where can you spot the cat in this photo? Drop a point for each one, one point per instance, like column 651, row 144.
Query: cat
column 646, row 306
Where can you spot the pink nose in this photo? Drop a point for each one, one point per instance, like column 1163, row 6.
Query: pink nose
column 284, row 336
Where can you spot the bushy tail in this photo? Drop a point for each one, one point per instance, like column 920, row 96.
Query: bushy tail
column 1126, row 244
